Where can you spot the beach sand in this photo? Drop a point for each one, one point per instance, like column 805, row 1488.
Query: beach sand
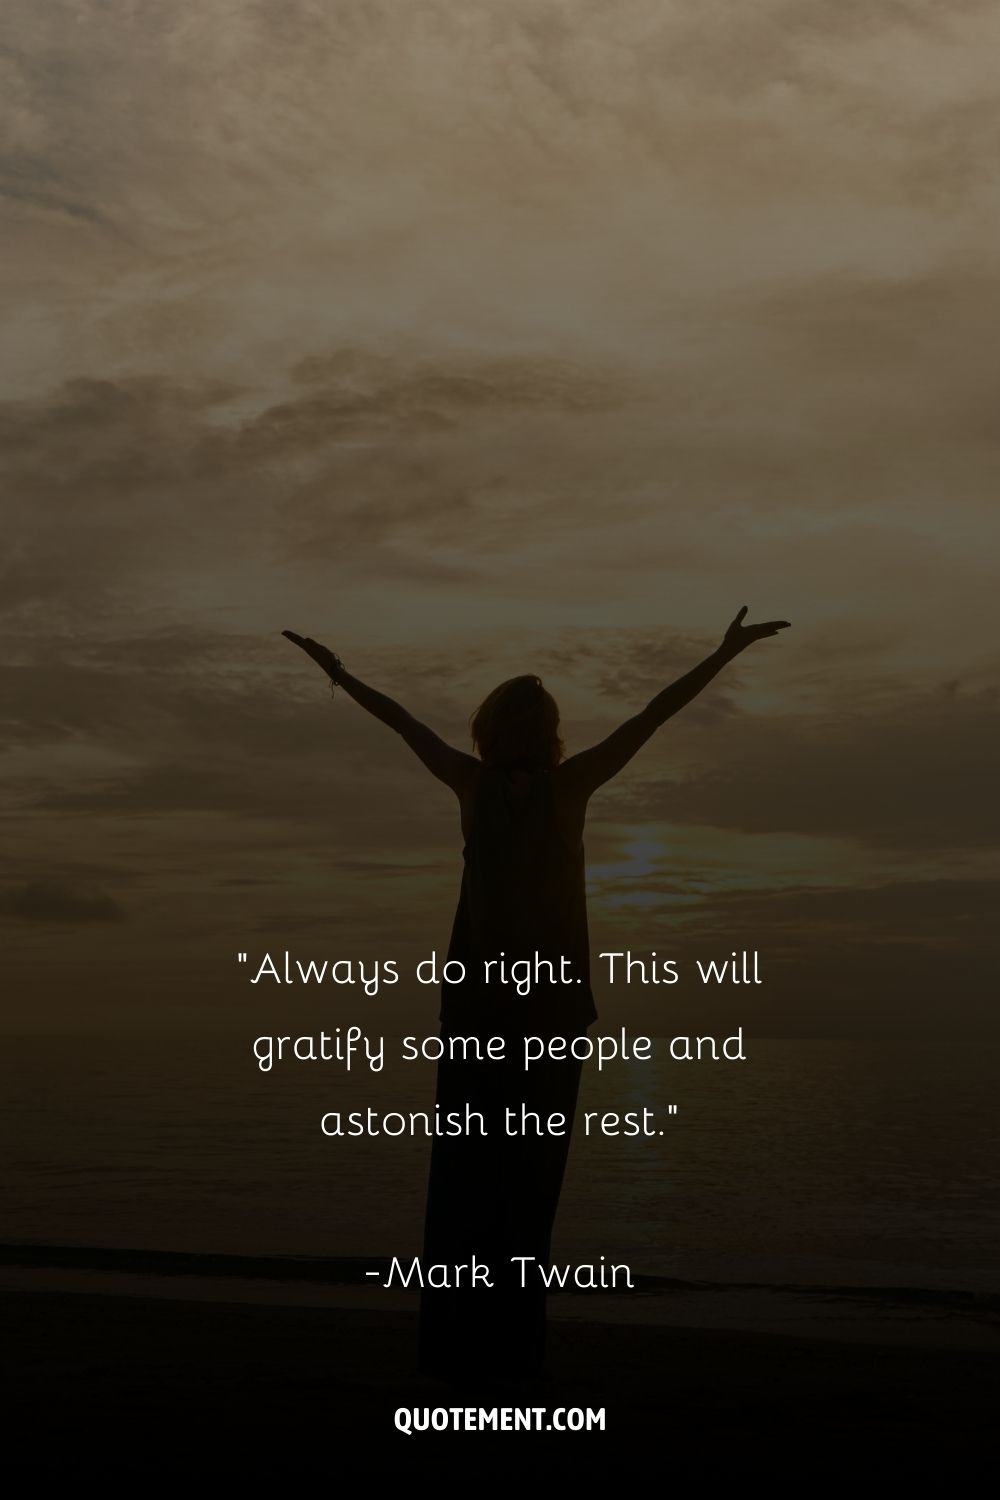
column 140, row 1388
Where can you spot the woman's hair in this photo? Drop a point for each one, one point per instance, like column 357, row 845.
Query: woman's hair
column 518, row 725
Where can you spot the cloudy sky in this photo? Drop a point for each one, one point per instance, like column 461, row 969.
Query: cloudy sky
column 486, row 337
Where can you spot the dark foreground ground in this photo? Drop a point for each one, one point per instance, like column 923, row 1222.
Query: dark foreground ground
column 136, row 1391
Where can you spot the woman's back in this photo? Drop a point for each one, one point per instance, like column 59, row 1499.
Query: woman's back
column 523, row 896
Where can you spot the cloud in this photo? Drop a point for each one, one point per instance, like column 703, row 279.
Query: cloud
column 915, row 773
column 55, row 901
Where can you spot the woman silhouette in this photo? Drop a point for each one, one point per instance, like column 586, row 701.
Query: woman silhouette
column 492, row 1196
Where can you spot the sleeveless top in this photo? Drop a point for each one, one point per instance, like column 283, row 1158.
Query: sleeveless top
column 523, row 895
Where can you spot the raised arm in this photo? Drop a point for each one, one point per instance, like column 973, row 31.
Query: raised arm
column 449, row 765
column 591, row 768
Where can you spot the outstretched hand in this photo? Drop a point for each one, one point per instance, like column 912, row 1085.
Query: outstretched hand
column 321, row 655
column 739, row 636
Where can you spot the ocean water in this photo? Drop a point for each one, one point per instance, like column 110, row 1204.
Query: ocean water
column 814, row 1164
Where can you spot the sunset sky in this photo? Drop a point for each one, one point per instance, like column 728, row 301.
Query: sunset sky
column 476, row 338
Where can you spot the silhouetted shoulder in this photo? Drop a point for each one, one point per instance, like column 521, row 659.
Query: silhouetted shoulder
column 576, row 778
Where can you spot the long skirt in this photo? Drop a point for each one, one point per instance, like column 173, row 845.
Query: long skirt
column 488, row 1200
